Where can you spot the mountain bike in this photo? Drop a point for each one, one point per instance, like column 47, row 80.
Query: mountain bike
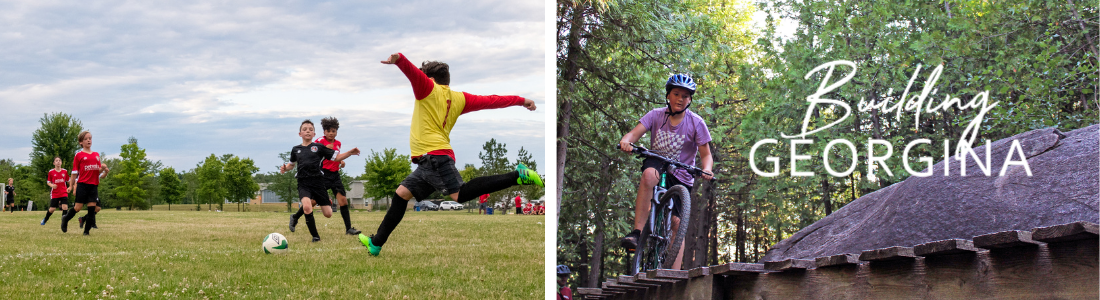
column 658, row 245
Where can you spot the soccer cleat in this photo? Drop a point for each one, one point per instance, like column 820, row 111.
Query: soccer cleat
column 316, row 239
column 293, row 222
column 85, row 233
column 527, row 176
column 43, row 222
column 353, row 231
column 64, row 225
column 81, row 220
column 371, row 248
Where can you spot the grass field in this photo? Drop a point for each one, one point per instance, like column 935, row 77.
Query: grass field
column 184, row 254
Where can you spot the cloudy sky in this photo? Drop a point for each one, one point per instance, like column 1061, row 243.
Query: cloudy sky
column 190, row 78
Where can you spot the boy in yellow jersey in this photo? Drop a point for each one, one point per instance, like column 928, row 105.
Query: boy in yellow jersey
column 436, row 110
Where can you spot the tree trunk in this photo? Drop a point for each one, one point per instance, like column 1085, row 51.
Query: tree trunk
column 596, row 261
column 826, row 194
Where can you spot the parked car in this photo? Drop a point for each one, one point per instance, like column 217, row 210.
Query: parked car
column 450, row 205
column 427, row 205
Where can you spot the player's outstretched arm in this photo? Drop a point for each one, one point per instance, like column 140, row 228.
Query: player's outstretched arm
column 342, row 156
column 286, row 167
column 421, row 84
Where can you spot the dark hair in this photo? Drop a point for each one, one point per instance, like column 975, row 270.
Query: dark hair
column 439, row 71
column 330, row 123
column 80, row 137
column 307, row 121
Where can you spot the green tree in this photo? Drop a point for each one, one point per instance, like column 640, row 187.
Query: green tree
column 172, row 189
column 284, row 185
column 383, row 173
column 131, row 176
column 55, row 136
column 238, row 180
column 211, row 182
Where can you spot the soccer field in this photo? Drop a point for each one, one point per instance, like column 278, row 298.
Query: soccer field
column 183, row 254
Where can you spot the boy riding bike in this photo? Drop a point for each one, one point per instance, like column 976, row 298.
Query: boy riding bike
column 677, row 133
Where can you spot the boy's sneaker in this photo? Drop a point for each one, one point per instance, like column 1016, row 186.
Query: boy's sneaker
column 316, row 239
column 64, row 225
column 353, row 231
column 81, row 220
column 371, row 248
column 293, row 222
column 527, row 176
column 43, row 222
column 630, row 241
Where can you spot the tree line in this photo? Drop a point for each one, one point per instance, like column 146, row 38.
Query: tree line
column 135, row 182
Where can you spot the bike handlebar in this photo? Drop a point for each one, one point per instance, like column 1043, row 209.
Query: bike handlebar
column 643, row 152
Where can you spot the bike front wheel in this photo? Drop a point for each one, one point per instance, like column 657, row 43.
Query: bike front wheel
column 677, row 192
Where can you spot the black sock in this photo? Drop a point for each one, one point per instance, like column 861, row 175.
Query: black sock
column 47, row 218
column 312, row 224
column 68, row 215
column 390, row 221
column 485, row 185
column 346, row 214
column 298, row 214
column 89, row 219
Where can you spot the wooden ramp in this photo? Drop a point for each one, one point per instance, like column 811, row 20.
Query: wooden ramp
column 1056, row 262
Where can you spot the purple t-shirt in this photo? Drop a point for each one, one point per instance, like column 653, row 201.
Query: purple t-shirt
column 681, row 141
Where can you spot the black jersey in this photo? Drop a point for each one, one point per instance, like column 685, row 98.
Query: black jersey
column 9, row 193
column 309, row 159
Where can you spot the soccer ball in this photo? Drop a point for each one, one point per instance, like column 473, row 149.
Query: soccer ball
column 275, row 243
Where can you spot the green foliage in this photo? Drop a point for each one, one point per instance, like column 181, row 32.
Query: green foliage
column 130, row 176
column 211, row 182
column 283, row 184
column 383, row 173
column 172, row 190
column 55, row 136
column 239, row 186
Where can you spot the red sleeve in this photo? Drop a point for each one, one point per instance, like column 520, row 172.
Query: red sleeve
column 476, row 102
column 421, row 84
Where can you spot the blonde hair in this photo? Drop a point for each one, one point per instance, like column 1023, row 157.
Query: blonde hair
column 81, row 136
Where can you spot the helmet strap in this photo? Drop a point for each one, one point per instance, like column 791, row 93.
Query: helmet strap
column 673, row 113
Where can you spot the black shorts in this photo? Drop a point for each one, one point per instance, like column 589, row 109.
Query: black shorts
column 86, row 193
column 334, row 183
column 57, row 202
column 433, row 173
column 314, row 189
column 670, row 180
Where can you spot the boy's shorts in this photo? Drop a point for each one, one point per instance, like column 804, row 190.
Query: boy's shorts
column 333, row 182
column 86, row 193
column 314, row 188
column 57, row 202
column 670, row 180
column 433, row 173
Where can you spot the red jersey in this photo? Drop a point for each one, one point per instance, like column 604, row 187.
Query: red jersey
column 330, row 165
column 483, row 198
column 58, row 178
column 517, row 201
column 86, row 166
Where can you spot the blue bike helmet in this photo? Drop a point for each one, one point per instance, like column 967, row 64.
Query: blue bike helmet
column 680, row 80
column 563, row 270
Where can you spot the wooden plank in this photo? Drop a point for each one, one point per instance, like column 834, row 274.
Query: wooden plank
column 699, row 272
column 629, row 281
column 1065, row 232
column 677, row 275
column 642, row 278
column 945, row 247
column 837, row 260
column 589, row 291
column 789, row 264
column 887, row 254
column 738, row 269
column 1005, row 239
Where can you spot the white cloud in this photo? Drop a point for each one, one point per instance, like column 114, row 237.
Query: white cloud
column 193, row 78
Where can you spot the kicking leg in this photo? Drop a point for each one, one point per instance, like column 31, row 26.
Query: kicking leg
column 394, row 214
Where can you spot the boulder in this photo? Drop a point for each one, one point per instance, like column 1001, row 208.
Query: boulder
column 1063, row 188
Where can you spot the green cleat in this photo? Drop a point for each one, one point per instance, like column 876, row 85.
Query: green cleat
column 370, row 246
column 527, row 176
